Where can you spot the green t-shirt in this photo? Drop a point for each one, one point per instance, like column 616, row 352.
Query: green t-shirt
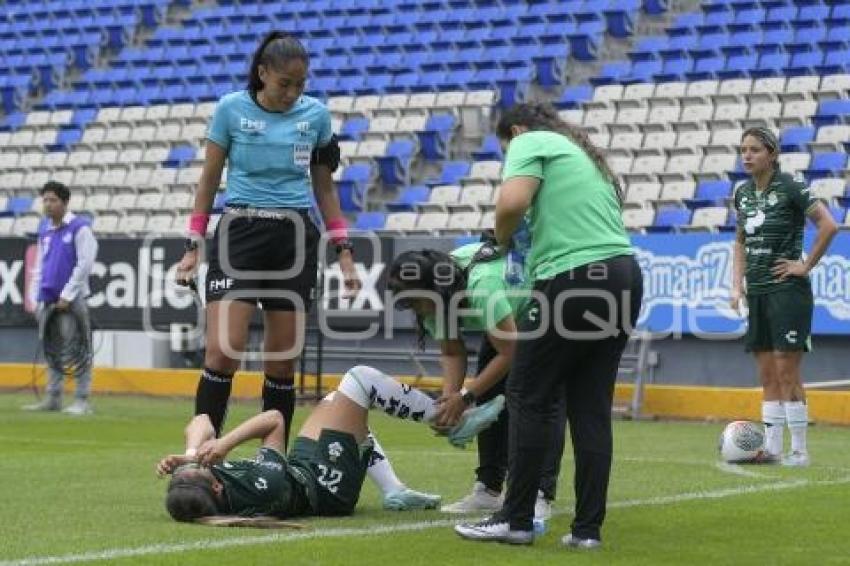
column 772, row 222
column 489, row 298
column 575, row 218
column 265, row 485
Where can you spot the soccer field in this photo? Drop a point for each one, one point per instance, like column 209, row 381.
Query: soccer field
column 84, row 491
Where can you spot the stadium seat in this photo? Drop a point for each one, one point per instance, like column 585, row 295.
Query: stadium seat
column 668, row 219
column 370, row 221
column 409, row 198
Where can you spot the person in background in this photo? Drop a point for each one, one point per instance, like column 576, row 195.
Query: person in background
column 772, row 209
column 66, row 252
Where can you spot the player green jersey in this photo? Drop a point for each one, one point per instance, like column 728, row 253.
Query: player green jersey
column 266, row 485
column 575, row 218
column 772, row 223
column 489, row 298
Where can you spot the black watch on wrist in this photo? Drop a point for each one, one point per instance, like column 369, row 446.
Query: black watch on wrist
column 467, row 396
column 190, row 244
column 344, row 245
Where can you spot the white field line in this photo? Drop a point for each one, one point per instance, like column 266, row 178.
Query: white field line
column 740, row 471
column 217, row 543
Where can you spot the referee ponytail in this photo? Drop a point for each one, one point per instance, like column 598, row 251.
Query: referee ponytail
column 275, row 49
column 544, row 117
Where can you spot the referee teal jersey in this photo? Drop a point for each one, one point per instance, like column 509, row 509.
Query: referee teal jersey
column 268, row 153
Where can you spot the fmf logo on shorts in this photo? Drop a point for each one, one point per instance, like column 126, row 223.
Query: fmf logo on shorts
column 222, row 284
column 252, row 126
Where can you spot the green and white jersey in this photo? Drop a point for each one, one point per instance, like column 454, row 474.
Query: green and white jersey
column 772, row 222
column 575, row 218
column 266, row 485
column 489, row 298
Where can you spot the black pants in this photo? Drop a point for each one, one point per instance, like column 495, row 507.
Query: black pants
column 573, row 362
column 493, row 441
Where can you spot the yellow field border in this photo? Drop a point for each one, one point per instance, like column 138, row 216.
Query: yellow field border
column 659, row 400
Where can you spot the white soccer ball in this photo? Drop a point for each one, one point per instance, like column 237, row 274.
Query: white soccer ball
column 742, row 442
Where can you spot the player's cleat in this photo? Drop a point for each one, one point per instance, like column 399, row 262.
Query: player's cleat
column 796, row 459
column 494, row 529
column 572, row 541
column 475, row 420
column 78, row 408
column 542, row 507
column 46, row 404
column 481, row 499
column 408, row 499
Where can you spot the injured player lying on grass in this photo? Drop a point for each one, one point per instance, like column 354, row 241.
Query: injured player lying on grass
column 326, row 466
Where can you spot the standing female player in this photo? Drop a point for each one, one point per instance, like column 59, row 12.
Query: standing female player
column 278, row 146
column 490, row 306
column 772, row 210
column 590, row 286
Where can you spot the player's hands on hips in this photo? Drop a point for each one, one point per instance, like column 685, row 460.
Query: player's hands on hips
column 349, row 273
column 737, row 300
column 171, row 463
column 785, row 268
column 450, row 407
column 211, row 452
column 186, row 268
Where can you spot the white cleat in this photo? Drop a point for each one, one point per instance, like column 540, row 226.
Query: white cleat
column 78, row 408
column 46, row 404
column 796, row 459
column 480, row 500
column 495, row 530
column 409, row 499
column 571, row 541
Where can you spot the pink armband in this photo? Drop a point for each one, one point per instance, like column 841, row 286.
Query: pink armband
column 198, row 223
column 337, row 229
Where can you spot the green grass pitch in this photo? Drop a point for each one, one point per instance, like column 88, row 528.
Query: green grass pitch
column 84, row 491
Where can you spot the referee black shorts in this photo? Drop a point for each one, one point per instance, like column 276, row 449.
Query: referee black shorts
column 266, row 258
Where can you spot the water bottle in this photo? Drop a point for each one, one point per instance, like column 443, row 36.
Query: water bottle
column 539, row 526
column 515, row 259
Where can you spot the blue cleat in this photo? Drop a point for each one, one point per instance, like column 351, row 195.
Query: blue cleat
column 475, row 420
column 408, row 499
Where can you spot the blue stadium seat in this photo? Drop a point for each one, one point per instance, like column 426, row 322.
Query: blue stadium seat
column 832, row 112
column 669, row 218
column 179, row 156
column 436, row 137
column 408, row 198
column 353, row 128
column 353, row 185
column 451, row 173
column 796, row 138
column 370, row 221
column 490, row 150
column 711, row 193
column 572, row 96
column 19, row 205
column 830, row 164
column 394, row 167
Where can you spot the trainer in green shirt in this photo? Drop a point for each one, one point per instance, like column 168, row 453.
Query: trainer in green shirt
column 574, row 217
column 490, row 298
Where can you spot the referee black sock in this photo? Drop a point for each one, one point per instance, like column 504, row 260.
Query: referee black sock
column 279, row 394
column 212, row 396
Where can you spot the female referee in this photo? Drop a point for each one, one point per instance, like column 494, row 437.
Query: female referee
column 582, row 263
column 772, row 209
column 490, row 306
column 278, row 145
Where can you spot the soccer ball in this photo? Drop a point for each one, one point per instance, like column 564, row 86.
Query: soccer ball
column 742, row 442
